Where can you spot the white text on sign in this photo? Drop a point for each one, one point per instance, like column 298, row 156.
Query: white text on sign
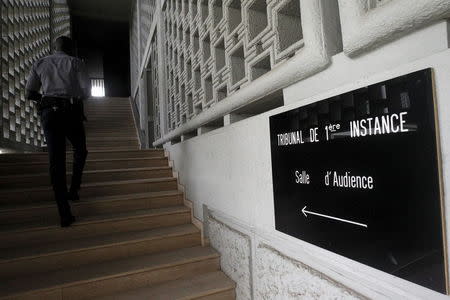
column 333, row 178
column 302, row 177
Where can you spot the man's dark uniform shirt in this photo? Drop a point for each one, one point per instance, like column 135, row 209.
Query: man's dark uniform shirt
column 64, row 84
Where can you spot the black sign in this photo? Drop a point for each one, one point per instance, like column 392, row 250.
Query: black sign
column 359, row 174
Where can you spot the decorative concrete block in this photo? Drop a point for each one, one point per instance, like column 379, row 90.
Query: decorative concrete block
column 146, row 11
column 218, row 48
column 210, row 37
column 60, row 19
column 26, row 27
column 134, row 46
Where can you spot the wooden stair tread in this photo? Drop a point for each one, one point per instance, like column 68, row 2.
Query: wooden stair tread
column 49, row 224
column 68, row 153
column 104, row 270
column 201, row 285
column 123, row 197
column 9, row 254
column 121, row 138
column 91, row 184
column 89, row 172
column 88, row 160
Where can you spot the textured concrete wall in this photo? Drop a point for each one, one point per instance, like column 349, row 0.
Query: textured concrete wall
column 263, row 272
column 235, row 251
column 281, row 277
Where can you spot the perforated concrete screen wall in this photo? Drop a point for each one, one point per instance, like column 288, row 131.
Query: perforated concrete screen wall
column 27, row 27
column 225, row 46
column 212, row 48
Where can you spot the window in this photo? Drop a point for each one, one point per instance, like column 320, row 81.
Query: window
column 97, row 87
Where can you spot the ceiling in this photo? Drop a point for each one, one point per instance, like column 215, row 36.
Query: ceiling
column 109, row 10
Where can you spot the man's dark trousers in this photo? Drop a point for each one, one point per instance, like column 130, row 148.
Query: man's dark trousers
column 59, row 123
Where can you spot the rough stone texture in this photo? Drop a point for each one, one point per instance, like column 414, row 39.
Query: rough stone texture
column 276, row 276
column 234, row 248
column 280, row 277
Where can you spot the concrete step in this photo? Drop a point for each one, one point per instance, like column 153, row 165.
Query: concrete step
column 43, row 179
column 108, row 124
column 109, row 116
column 118, row 130
column 110, row 119
column 91, row 164
column 116, row 133
column 213, row 285
column 107, row 103
column 15, row 262
column 107, row 146
column 93, row 133
column 27, row 213
column 116, row 148
column 111, row 142
column 96, row 189
column 96, row 280
column 111, row 134
column 113, row 118
column 108, row 109
column 93, row 107
column 98, row 126
column 98, row 154
column 30, row 234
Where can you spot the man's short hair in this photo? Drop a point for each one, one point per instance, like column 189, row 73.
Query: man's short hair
column 65, row 44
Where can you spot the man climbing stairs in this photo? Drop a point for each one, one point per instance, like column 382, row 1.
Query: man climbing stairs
column 133, row 238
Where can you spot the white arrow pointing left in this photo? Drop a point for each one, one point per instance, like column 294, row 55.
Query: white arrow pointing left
column 304, row 211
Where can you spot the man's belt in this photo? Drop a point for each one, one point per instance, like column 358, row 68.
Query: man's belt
column 59, row 102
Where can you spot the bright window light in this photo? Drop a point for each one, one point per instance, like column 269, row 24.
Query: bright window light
column 97, row 88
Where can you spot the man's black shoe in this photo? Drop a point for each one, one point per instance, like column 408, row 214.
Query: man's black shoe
column 66, row 222
column 73, row 196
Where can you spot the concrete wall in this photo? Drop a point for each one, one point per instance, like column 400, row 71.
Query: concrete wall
column 229, row 171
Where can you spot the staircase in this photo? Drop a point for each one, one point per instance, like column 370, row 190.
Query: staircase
column 133, row 238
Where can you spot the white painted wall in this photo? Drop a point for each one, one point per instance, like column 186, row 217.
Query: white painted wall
column 229, row 169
